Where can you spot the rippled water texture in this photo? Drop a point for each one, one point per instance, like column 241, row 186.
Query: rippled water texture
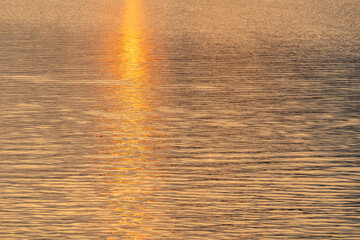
column 193, row 119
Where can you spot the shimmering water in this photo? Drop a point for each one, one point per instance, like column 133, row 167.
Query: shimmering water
column 184, row 119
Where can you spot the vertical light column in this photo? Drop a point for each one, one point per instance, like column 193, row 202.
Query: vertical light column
column 129, row 124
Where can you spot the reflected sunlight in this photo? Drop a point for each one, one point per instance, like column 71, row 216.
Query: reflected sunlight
column 129, row 150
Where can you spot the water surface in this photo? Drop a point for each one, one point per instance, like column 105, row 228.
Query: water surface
column 179, row 119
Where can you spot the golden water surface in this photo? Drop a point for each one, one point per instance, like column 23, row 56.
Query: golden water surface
column 193, row 119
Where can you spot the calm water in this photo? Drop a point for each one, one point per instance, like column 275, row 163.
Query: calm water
column 193, row 119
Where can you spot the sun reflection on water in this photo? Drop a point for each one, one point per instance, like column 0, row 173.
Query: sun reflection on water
column 129, row 125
